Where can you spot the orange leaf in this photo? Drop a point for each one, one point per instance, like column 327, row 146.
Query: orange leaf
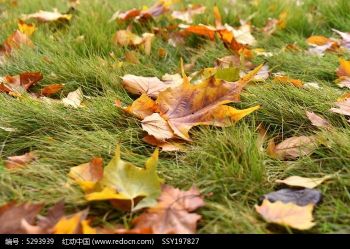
column 287, row 80
column 51, row 89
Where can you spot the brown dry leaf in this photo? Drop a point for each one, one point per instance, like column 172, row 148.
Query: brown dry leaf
column 292, row 147
column 51, row 89
column 217, row 16
column 12, row 215
column 203, row 104
column 343, row 105
column 172, row 214
column 157, row 9
column 16, row 85
column 298, row 181
column 343, row 73
column 15, row 162
column 157, row 127
column 317, row 121
column 233, row 61
column 45, row 224
column 273, row 24
column 287, row 214
column 151, row 86
column 87, row 174
column 286, row 80
column 48, row 16
column 188, row 14
column 170, row 145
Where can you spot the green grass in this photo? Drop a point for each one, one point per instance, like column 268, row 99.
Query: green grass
column 225, row 164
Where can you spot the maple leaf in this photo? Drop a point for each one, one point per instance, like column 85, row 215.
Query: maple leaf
column 287, row 214
column 15, row 85
column 172, row 214
column 298, row 181
column 292, row 147
column 12, row 215
column 317, row 120
column 190, row 105
column 169, row 145
column 48, row 16
column 129, row 187
column 15, row 162
column 151, row 86
column 46, row 223
column 87, row 174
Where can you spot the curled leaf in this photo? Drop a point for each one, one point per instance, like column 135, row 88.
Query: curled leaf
column 298, row 181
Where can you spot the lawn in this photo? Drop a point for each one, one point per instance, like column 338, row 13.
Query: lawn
column 227, row 165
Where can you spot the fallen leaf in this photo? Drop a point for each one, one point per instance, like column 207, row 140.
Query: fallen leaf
column 157, row 9
column 188, row 14
column 15, row 162
column 343, row 107
column 170, row 145
column 73, row 99
column 13, row 42
column 151, row 86
column 127, row 38
column 48, row 16
column 12, row 215
column 87, row 174
column 317, row 121
column 25, row 28
column 51, row 89
column 71, row 224
column 320, row 44
column 46, row 223
column 345, row 38
column 128, row 186
column 142, row 107
column 286, row 80
column 343, row 73
column 301, row 197
column 298, row 181
column 190, row 105
column 289, row 214
column 172, row 214
column 16, row 85
column 293, row 147
column 157, row 127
